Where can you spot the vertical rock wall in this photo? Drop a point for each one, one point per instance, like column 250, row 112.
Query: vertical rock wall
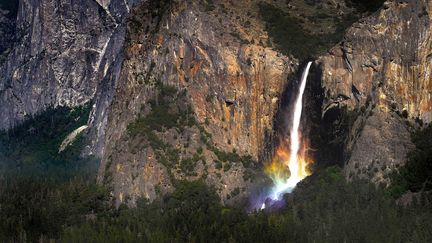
column 381, row 74
column 66, row 53
column 232, row 83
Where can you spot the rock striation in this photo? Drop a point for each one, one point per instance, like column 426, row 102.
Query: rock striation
column 65, row 53
column 381, row 75
column 218, row 68
column 7, row 29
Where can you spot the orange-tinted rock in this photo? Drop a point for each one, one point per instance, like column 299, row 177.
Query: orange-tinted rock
column 383, row 62
column 233, row 87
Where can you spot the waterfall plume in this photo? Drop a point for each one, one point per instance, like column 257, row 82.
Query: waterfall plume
column 289, row 164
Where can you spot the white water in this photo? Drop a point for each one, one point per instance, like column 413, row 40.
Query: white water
column 297, row 172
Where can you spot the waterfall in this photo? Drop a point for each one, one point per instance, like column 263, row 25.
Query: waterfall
column 295, row 133
column 296, row 164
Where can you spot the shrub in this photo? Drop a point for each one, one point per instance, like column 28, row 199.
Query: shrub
column 227, row 167
column 289, row 36
column 32, row 148
column 416, row 175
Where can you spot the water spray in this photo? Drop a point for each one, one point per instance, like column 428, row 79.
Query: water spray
column 292, row 159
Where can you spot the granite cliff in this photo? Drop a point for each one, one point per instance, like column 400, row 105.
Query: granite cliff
column 198, row 89
column 65, row 53
column 380, row 77
column 211, row 91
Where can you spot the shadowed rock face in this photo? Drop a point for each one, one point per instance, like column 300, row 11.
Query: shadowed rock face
column 382, row 72
column 65, row 54
column 7, row 28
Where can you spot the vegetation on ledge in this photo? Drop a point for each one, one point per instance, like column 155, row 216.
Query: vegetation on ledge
column 289, row 35
column 32, row 148
column 416, row 175
column 170, row 109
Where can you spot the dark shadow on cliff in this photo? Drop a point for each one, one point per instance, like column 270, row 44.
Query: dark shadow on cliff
column 31, row 149
column 11, row 6
column 310, row 28
column 326, row 141
column 282, row 119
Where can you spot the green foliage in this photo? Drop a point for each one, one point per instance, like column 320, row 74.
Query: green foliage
column 166, row 113
column 158, row 190
column 290, row 37
column 249, row 174
column 332, row 174
column 190, row 214
column 158, row 118
column 231, row 157
column 227, row 167
column 161, row 116
column 336, row 210
column 32, row 148
column 34, row 208
column 416, row 175
column 41, row 190
column 218, row 164
column 188, row 165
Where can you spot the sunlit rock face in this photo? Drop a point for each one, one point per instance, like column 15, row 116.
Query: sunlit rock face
column 381, row 73
column 65, row 54
column 214, row 54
